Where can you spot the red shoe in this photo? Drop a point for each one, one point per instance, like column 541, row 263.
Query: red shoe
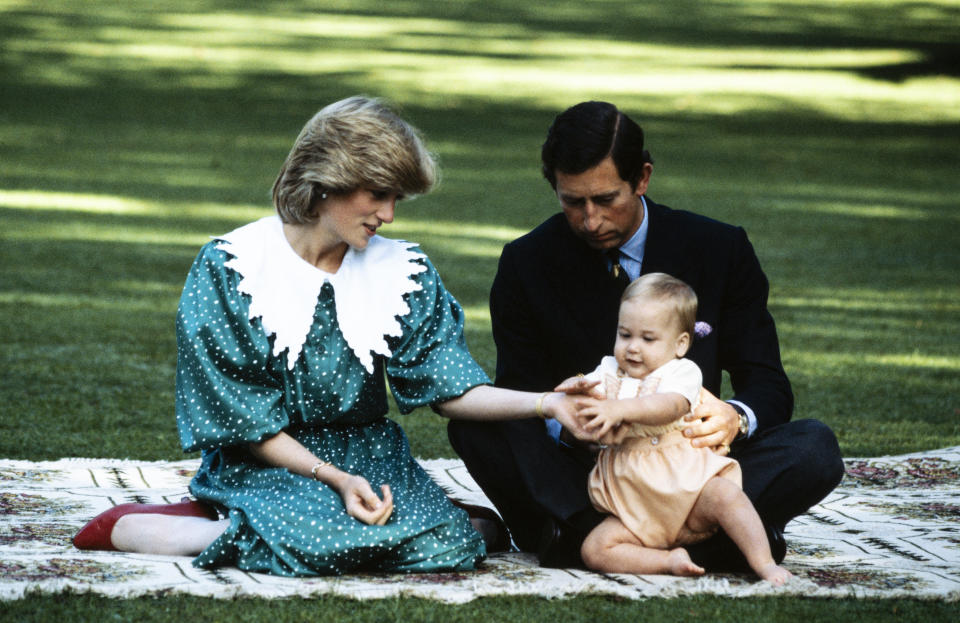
column 96, row 534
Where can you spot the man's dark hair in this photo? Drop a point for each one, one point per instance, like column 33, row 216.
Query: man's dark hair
column 582, row 136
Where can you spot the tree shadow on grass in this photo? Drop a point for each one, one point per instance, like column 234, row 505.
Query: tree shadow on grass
column 927, row 28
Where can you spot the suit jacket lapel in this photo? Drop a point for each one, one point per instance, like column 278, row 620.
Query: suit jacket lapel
column 598, row 293
column 660, row 248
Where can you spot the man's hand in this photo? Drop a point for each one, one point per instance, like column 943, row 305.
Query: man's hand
column 714, row 424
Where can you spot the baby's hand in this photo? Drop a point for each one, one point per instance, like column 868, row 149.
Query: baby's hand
column 584, row 414
column 598, row 416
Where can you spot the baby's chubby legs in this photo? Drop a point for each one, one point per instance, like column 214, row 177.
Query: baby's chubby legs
column 723, row 503
column 611, row 548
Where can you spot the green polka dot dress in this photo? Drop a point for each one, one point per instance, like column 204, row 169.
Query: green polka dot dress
column 233, row 389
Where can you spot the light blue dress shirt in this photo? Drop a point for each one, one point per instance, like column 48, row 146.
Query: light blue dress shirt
column 631, row 252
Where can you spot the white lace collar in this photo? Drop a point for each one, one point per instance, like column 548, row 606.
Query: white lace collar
column 629, row 387
column 368, row 288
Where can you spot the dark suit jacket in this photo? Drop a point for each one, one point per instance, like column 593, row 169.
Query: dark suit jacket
column 554, row 307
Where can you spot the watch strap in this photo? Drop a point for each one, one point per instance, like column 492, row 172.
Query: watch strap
column 743, row 427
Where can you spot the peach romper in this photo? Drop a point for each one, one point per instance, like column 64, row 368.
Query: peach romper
column 651, row 480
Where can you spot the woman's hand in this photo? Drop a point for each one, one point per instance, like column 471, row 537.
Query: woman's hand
column 362, row 503
column 563, row 408
column 577, row 385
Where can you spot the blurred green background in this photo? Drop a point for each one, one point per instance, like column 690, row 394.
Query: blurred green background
column 130, row 132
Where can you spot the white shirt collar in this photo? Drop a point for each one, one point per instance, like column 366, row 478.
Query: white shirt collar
column 369, row 288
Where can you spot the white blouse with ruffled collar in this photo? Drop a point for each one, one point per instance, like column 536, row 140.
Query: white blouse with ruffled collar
column 369, row 288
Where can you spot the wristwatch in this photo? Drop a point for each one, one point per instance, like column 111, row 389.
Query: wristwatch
column 744, row 426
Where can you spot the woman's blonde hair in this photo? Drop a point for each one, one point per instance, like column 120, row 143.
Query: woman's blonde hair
column 669, row 289
column 355, row 143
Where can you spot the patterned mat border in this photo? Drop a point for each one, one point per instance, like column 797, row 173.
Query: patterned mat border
column 891, row 530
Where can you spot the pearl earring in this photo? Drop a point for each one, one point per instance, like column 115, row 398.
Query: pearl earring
column 323, row 195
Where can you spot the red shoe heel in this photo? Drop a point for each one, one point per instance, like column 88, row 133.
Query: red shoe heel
column 96, row 534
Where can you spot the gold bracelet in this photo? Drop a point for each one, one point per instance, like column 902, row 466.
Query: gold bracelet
column 539, row 408
column 317, row 467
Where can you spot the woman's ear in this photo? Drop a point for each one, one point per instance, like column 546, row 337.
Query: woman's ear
column 683, row 344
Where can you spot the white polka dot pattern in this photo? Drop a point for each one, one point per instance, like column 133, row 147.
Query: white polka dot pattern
column 232, row 390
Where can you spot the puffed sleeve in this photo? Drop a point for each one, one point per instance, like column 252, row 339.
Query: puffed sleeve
column 226, row 394
column 430, row 361
column 604, row 372
column 683, row 377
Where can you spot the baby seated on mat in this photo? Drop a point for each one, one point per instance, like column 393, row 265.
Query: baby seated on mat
column 660, row 491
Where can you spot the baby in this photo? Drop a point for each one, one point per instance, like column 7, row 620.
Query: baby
column 661, row 492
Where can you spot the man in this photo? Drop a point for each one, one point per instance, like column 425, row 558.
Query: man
column 554, row 304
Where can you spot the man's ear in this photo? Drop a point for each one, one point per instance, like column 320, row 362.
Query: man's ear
column 644, row 181
column 683, row 344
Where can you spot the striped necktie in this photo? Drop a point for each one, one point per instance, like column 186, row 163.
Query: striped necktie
column 616, row 270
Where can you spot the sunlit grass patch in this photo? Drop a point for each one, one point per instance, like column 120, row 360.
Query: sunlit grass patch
column 437, row 57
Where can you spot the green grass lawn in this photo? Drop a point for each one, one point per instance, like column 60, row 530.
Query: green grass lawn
column 132, row 131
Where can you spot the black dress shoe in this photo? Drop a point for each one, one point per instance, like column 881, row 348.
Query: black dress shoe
column 720, row 553
column 494, row 532
column 778, row 545
column 558, row 547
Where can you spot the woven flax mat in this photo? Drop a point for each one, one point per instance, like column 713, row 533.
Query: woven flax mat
column 890, row 530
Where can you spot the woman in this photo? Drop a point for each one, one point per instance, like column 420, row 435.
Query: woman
column 285, row 331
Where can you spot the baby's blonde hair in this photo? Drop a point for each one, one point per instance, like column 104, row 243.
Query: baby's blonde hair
column 663, row 287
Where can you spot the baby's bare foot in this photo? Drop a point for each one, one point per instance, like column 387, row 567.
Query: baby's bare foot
column 680, row 564
column 775, row 574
